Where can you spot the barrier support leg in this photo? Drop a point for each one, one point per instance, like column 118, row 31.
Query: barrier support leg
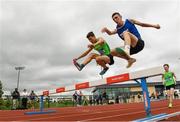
column 145, row 92
column 41, row 103
column 41, row 111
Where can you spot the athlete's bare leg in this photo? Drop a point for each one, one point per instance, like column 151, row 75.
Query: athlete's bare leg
column 102, row 61
column 89, row 58
column 129, row 40
column 171, row 93
column 121, row 54
column 86, row 61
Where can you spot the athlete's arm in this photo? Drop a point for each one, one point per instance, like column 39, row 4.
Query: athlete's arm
column 174, row 77
column 100, row 41
column 85, row 53
column 109, row 32
column 157, row 26
column 163, row 79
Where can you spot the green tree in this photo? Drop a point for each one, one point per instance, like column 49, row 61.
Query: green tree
column 1, row 91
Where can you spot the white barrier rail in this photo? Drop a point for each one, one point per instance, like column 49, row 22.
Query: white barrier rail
column 109, row 80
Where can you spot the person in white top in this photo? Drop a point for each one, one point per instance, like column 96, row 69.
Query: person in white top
column 24, row 99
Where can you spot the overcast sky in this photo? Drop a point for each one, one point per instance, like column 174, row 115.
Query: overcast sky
column 45, row 35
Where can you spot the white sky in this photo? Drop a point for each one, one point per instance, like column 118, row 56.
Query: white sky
column 45, row 35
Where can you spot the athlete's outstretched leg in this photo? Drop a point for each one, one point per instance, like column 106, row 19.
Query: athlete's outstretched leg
column 118, row 52
column 129, row 40
column 88, row 60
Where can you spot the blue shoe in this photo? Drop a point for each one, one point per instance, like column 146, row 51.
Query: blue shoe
column 104, row 71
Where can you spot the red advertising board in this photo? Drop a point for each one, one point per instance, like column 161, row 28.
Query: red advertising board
column 46, row 93
column 82, row 85
column 118, row 78
column 61, row 89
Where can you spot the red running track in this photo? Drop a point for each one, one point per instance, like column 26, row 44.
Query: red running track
column 117, row 112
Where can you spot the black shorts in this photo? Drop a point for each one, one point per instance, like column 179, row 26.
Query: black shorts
column 169, row 87
column 139, row 46
column 111, row 59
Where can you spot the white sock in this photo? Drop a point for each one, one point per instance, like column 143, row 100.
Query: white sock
column 127, row 49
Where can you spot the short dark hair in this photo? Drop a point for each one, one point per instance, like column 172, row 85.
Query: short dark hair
column 166, row 65
column 116, row 13
column 90, row 34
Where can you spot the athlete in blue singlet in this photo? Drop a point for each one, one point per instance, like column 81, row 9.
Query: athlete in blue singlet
column 128, row 32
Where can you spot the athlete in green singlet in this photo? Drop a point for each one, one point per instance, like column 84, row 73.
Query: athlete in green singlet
column 104, row 57
column 169, row 81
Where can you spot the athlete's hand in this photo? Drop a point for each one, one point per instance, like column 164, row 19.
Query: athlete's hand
column 104, row 30
column 90, row 46
column 157, row 26
column 175, row 83
column 163, row 82
column 75, row 59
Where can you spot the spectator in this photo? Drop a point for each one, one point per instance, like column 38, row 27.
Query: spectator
column 104, row 97
column 75, row 97
column 16, row 99
column 85, row 100
column 107, row 99
column 128, row 97
column 124, row 98
column 100, row 99
column 133, row 98
column 157, row 95
column 153, row 96
column 117, row 99
column 32, row 98
column 139, row 97
column 90, row 100
column 176, row 95
column 94, row 99
column 80, row 98
column 24, row 99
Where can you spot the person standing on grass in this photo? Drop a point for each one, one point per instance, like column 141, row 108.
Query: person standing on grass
column 75, row 98
column 16, row 99
column 24, row 99
column 169, row 81
column 32, row 98
column 80, row 98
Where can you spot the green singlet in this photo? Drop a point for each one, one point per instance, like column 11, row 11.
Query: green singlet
column 168, row 77
column 103, row 49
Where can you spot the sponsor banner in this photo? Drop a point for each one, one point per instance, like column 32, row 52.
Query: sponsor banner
column 118, row 78
column 61, row 89
column 82, row 85
column 46, row 93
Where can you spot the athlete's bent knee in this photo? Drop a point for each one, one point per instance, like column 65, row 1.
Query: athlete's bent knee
column 126, row 33
column 113, row 52
column 93, row 55
column 99, row 60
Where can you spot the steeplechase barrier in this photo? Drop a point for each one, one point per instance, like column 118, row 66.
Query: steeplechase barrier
column 138, row 76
